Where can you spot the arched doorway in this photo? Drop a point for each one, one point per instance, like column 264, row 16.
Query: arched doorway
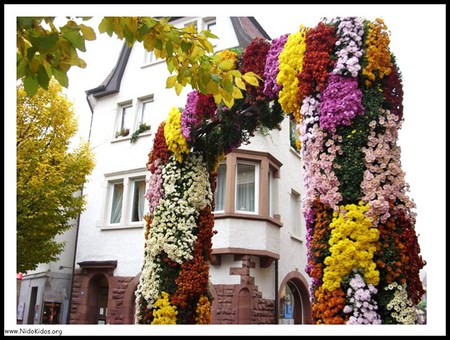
column 294, row 305
column 98, row 300
column 290, row 304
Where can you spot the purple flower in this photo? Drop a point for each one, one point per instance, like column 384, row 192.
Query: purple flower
column 341, row 102
column 271, row 87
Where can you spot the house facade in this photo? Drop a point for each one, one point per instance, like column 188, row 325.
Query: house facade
column 257, row 268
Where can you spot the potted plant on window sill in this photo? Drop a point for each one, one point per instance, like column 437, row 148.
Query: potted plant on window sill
column 123, row 132
column 142, row 128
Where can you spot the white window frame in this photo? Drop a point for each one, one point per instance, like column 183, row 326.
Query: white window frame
column 131, row 200
column 224, row 192
column 128, row 178
column 120, row 119
column 142, row 102
column 257, row 170
column 111, row 186
column 296, row 215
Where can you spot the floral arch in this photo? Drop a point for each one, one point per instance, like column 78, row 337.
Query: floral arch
column 341, row 83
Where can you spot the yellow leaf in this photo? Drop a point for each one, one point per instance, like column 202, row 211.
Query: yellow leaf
column 229, row 103
column 226, row 64
column 237, row 94
column 217, row 98
column 240, row 83
column 251, row 79
column 170, row 82
column 88, row 32
column 212, row 87
column 235, row 73
column 178, row 88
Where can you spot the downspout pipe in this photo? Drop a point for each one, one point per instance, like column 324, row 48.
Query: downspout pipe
column 78, row 223
column 276, row 293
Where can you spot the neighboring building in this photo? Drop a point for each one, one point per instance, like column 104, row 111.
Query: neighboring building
column 257, row 272
column 44, row 293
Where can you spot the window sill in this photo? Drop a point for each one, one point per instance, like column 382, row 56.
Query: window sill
column 121, row 139
column 118, row 227
column 297, row 238
column 295, row 152
column 268, row 219
column 159, row 61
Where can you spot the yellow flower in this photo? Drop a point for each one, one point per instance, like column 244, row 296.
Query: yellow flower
column 203, row 310
column 164, row 313
column 176, row 143
column 290, row 65
column 352, row 245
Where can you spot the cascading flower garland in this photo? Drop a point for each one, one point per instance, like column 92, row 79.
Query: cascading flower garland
column 342, row 85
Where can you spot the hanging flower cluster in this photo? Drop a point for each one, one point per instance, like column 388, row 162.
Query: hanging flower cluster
column 361, row 305
column 178, row 243
column 271, row 68
column 290, row 66
column 342, row 85
column 360, row 221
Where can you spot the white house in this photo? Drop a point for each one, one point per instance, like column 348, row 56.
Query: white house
column 257, row 271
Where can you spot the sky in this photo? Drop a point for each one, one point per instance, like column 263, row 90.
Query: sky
column 417, row 41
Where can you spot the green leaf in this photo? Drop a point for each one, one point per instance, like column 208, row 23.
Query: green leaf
column 208, row 34
column 216, row 77
column 185, row 46
column 44, row 43
column 21, row 66
column 228, row 85
column 43, row 77
column 76, row 39
column 169, row 48
column 61, row 77
column 31, row 85
column 88, row 32
column 158, row 44
column 105, row 26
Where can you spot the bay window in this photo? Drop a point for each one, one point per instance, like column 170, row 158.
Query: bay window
column 246, row 186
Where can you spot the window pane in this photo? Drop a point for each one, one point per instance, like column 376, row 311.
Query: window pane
column 245, row 187
column 145, row 114
column 127, row 117
column 219, row 195
column 149, row 57
column 270, row 186
column 137, row 211
column 116, row 204
column 296, row 214
column 211, row 26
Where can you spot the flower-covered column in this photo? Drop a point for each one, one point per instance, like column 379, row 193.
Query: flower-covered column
column 363, row 253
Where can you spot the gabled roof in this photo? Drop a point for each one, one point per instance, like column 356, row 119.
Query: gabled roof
column 245, row 28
